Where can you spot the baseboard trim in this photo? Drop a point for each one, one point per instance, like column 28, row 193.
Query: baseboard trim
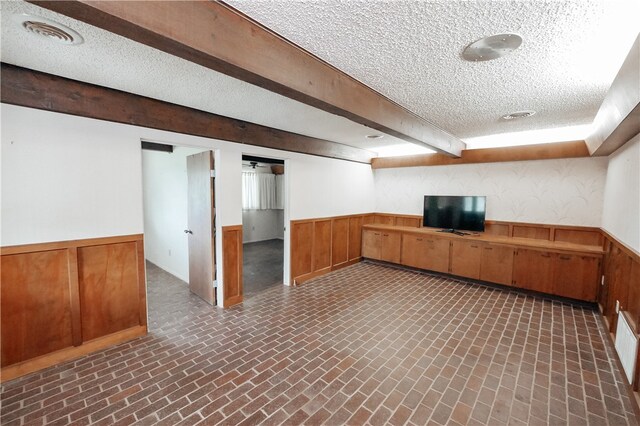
column 26, row 367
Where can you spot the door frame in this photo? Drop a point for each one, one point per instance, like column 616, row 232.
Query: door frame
column 286, row 272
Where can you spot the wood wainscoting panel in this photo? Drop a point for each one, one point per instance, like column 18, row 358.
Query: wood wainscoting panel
column 232, row 265
column 64, row 299
column 617, row 281
column 355, row 237
column 339, row 241
column 301, row 248
column 384, row 219
column 413, row 222
column 494, row 228
column 109, row 288
column 36, row 316
column 579, row 236
column 321, row 244
column 535, row 232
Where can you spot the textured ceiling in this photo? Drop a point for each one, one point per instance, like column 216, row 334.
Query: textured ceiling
column 109, row 60
column 407, row 50
column 410, row 52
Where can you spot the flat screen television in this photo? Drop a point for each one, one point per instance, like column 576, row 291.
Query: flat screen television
column 453, row 213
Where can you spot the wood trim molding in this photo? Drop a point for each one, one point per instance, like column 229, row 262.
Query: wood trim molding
column 628, row 250
column 33, row 89
column 232, row 265
column 68, row 354
column 56, row 245
column 548, row 151
column 246, row 50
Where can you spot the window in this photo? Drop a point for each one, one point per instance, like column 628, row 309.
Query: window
column 262, row 191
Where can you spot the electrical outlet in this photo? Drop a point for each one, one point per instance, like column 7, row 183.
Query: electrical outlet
column 253, row 228
column 617, row 306
column 169, row 252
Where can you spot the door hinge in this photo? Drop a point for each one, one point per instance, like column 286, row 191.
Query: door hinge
column 214, row 283
column 213, row 173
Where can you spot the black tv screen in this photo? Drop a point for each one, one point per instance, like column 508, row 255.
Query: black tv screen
column 454, row 212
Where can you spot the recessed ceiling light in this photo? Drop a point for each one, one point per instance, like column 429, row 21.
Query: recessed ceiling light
column 52, row 30
column 492, row 47
column 375, row 136
column 518, row 114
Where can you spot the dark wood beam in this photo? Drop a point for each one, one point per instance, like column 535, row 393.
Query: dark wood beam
column 547, row 151
column 221, row 38
column 33, row 89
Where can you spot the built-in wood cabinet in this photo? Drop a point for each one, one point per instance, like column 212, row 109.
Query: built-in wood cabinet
column 371, row 242
column 496, row 264
column 533, row 270
column 559, row 268
column 575, row 276
column 425, row 252
column 465, row 259
column 390, row 246
column 382, row 245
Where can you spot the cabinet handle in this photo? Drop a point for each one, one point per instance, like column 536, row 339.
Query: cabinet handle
column 376, row 233
column 385, row 235
column 545, row 255
column 419, row 239
column 488, row 248
column 565, row 257
column 472, row 246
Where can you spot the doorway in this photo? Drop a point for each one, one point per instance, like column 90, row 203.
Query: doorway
column 263, row 226
column 179, row 230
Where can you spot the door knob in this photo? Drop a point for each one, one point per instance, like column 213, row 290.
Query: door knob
column 188, row 231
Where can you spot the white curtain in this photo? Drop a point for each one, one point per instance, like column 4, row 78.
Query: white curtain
column 262, row 191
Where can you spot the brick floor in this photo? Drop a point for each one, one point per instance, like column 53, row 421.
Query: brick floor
column 366, row 344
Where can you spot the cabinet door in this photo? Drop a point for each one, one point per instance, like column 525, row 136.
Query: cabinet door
column 496, row 265
column 465, row 259
column 371, row 241
column 390, row 247
column 533, row 270
column 575, row 276
column 437, row 255
column 413, row 251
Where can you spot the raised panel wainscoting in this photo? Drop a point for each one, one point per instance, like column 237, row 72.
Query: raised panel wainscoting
column 325, row 244
column 232, row 265
column 62, row 300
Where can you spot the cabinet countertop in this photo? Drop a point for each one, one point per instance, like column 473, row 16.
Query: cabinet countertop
column 527, row 243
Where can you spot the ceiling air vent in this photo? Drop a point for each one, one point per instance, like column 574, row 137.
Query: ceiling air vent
column 49, row 29
column 519, row 114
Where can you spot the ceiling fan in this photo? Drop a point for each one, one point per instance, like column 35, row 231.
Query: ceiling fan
column 253, row 165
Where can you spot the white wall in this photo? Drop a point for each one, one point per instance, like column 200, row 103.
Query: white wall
column 261, row 225
column 621, row 214
column 164, row 184
column 66, row 178
column 567, row 191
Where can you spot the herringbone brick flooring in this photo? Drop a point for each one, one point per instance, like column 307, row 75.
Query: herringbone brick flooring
column 367, row 344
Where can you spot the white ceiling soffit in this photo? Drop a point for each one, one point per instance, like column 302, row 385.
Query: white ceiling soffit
column 410, row 51
column 109, row 60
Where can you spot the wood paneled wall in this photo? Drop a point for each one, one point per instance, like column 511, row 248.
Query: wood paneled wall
column 232, row 265
column 322, row 245
column 60, row 300
column 621, row 283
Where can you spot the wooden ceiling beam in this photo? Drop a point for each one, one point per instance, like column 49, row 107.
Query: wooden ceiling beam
column 216, row 36
column 488, row 155
column 33, row 89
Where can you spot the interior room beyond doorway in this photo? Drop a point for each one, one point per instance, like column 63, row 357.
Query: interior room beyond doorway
column 262, row 223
